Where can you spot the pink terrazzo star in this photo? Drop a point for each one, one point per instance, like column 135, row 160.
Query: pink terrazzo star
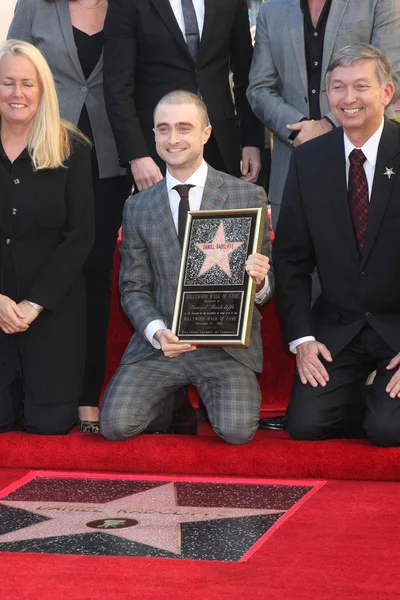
column 217, row 252
column 152, row 518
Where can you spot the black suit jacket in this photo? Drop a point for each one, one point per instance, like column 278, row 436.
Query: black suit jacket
column 146, row 56
column 315, row 229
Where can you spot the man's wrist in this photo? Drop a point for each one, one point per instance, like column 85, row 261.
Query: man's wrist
column 138, row 158
column 158, row 335
column 151, row 329
column 295, row 343
column 330, row 123
column 260, row 286
column 37, row 307
column 293, row 135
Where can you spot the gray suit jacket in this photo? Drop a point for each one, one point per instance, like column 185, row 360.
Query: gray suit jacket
column 151, row 257
column 278, row 90
column 47, row 25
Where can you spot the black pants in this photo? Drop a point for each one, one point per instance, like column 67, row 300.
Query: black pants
column 213, row 156
column 41, row 370
column 343, row 408
column 109, row 195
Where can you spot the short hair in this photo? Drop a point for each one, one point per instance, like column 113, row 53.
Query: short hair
column 48, row 135
column 185, row 97
column 349, row 55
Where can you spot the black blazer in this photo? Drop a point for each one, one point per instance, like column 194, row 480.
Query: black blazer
column 315, row 229
column 146, row 56
column 46, row 228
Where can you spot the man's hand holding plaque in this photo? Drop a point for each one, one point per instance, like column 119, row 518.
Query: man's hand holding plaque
column 169, row 344
column 257, row 267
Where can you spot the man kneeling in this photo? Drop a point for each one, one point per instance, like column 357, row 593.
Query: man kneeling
column 340, row 214
column 154, row 365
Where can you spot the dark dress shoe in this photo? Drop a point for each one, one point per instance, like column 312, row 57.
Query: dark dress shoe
column 273, row 423
column 89, row 426
column 202, row 412
column 184, row 418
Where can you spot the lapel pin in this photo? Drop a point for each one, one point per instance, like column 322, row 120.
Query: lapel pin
column 389, row 172
column 220, row 199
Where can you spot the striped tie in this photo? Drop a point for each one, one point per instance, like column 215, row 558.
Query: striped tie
column 191, row 28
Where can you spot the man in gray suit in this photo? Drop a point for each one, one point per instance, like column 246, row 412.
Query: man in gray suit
column 287, row 90
column 154, row 364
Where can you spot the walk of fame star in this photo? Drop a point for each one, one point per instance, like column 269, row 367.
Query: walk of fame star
column 217, row 252
column 152, row 518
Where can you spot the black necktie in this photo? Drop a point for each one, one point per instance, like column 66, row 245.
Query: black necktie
column 192, row 33
column 183, row 191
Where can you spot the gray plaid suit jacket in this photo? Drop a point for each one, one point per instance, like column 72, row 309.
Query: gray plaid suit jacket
column 278, row 90
column 151, row 257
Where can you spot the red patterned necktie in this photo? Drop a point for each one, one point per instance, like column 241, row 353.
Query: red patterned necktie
column 358, row 195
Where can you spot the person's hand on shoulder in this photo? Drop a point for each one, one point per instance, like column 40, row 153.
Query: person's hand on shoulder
column 309, row 130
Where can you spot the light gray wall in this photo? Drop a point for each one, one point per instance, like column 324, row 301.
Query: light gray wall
column 6, row 12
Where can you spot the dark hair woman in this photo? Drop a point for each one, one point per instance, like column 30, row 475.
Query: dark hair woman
column 70, row 36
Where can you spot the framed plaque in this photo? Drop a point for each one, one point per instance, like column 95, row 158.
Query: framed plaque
column 215, row 296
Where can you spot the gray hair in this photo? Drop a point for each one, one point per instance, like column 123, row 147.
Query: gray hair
column 349, row 55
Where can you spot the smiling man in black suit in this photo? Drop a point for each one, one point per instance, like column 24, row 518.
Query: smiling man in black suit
column 155, row 46
column 341, row 214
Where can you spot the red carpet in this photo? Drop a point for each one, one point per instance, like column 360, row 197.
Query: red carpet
column 270, row 454
column 343, row 544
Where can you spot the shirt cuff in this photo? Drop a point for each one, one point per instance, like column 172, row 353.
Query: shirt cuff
column 37, row 307
column 261, row 296
column 293, row 345
column 150, row 331
column 293, row 134
column 330, row 122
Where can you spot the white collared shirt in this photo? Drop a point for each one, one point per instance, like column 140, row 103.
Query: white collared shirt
column 199, row 8
column 370, row 151
column 198, row 180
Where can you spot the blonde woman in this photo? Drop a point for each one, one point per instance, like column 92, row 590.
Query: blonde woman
column 46, row 233
column 69, row 33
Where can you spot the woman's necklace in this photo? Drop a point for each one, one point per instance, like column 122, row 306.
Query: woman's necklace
column 91, row 7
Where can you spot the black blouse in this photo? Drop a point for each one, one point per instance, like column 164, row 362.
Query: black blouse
column 89, row 49
column 314, row 45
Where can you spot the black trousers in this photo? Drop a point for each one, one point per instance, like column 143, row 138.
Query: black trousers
column 41, row 370
column 343, row 408
column 109, row 195
column 213, row 156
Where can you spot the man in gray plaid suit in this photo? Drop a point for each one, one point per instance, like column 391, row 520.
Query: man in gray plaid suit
column 154, row 366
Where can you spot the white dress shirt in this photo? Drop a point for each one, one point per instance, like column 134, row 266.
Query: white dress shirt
column 198, row 180
column 199, row 8
column 370, row 151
